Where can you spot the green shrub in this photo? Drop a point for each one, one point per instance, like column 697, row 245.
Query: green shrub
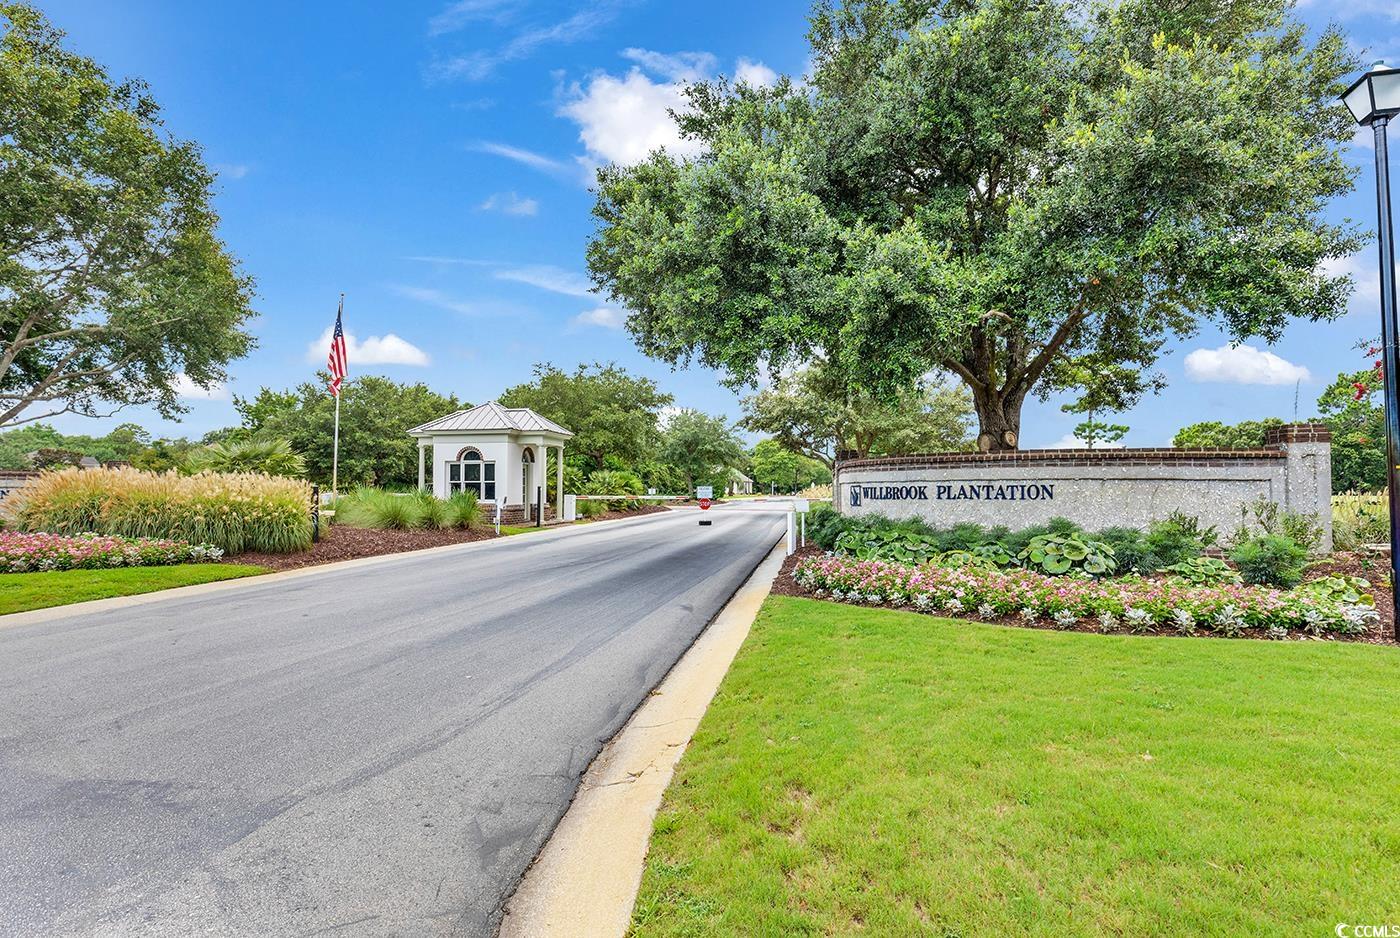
column 824, row 525
column 1358, row 520
column 463, row 511
column 1272, row 518
column 1176, row 539
column 1204, row 571
column 1270, row 560
column 590, row 508
column 615, row 482
column 1130, row 549
column 1057, row 554
column 232, row 511
column 270, row 456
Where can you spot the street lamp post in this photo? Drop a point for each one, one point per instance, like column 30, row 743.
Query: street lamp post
column 1373, row 100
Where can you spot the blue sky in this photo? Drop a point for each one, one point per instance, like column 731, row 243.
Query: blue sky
column 431, row 160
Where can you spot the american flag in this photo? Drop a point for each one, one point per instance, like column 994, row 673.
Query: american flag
column 337, row 361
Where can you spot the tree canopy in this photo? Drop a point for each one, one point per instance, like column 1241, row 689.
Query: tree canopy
column 611, row 413
column 776, row 467
column 1031, row 196
column 375, row 415
column 813, row 413
column 114, row 286
column 702, row 448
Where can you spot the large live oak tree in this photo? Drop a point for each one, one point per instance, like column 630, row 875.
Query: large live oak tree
column 114, row 287
column 1032, row 196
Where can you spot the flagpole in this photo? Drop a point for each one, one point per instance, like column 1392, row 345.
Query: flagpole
column 335, row 445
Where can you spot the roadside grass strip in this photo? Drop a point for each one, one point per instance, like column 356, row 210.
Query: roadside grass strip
column 20, row 592
column 879, row 771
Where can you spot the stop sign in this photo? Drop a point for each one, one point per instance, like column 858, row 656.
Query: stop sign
column 704, row 504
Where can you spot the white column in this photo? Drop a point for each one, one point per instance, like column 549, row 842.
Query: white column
column 559, row 484
column 422, row 454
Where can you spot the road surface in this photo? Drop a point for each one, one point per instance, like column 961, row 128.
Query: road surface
column 368, row 751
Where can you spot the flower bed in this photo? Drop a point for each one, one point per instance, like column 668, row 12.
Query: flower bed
column 1129, row 604
column 33, row 553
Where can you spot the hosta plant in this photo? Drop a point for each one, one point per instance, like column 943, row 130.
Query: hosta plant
column 1204, row 571
column 887, row 544
column 1347, row 589
column 1058, row 554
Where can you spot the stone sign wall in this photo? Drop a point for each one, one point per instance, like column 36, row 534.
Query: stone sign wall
column 1097, row 488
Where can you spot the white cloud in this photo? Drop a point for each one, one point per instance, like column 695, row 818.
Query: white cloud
column 608, row 317
column 1070, row 441
column 623, row 118
column 457, row 15
column 232, row 170
column 185, row 387
column 1366, row 282
column 1242, row 364
column 524, row 157
column 678, row 66
column 480, row 64
column 755, row 73
column 437, row 298
column 387, row 349
column 510, row 204
column 1357, row 8
column 548, row 278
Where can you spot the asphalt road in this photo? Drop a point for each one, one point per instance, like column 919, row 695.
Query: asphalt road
column 368, row 751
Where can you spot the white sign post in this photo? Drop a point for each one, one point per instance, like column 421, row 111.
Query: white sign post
column 704, row 493
column 802, row 506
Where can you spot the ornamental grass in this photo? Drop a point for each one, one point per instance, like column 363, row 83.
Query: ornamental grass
column 234, row 512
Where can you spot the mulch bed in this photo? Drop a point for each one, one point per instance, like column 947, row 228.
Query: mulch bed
column 1368, row 566
column 342, row 542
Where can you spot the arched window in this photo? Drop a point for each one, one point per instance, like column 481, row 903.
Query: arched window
column 471, row 473
column 527, row 455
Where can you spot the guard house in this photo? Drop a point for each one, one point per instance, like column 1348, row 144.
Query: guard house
column 497, row 452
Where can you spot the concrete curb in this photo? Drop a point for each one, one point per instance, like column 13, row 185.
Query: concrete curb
column 585, row 879
column 53, row 613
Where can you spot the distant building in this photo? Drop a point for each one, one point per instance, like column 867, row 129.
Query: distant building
column 738, row 484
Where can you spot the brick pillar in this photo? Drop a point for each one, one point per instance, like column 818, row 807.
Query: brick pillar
column 1308, row 489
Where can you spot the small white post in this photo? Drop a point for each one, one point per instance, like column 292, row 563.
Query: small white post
column 804, row 529
column 791, row 532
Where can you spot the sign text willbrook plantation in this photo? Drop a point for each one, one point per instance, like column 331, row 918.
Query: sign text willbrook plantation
column 947, row 492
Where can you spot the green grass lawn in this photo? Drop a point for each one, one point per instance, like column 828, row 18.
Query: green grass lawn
column 864, row 770
column 22, row 591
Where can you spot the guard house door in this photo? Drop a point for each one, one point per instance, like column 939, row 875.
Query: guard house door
column 527, row 464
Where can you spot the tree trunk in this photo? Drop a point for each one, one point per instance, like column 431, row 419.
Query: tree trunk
column 998, row 420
